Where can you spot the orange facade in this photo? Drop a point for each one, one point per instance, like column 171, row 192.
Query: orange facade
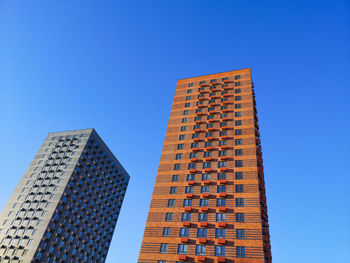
column 209, row 203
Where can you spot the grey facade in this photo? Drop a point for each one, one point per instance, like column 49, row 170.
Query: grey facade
column 66, row 205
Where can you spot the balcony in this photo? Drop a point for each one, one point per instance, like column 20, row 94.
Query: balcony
column 188, row 209
column 222, row 224
column 222, row 209
column 184, row 240
column 221, row 241
column 223, row 169
column 202, row 240
column 186, row 224
column 221, row 259
column 223, row 181
column 206, row 182
column 207, row 170
column 205, row 209
column 194, row 160
column 190, row 182
column 192, row 171
column 189, row 195
column 203, row 224
column 223, row 158
column 184, row 258
column 222, row 195
column 201, row 258
column 206, row 195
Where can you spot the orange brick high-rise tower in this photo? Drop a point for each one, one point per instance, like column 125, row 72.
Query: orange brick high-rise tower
column 209, row 202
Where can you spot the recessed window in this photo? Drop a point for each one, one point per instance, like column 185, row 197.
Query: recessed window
column 237, row 90
column 190, row 177
column 205, row 189
column 182, row 137
column 163, row 248
column 187, row 105
column 237, row 83
column 202, row 217
column 178, row 156
column 239, row 175
column 239, row 188
column 190, row 84
column 182, row 249
column 204, row 202
column 184, row 120
column 238, row 132
column 238, row 106
column 188, row 189
column 184, row 232
column 220, row 251
column 180, row 146
column 220, row 233
column 222, row 164
column 240, row 252
column 186, row 112
column 220, row 202
column 186, row 217
column 166, row 231
column 220, row 217
column 175, row 178
column 173, row 189
column 187, row 203
column 201, row 232
column 239, row 202
column 221, row 176
column 168, row 217
column 171, row 203
column 205, row 177
column 239, row 163
column 193, row 155
column 238, row 141
column 238, row 122
column 183, row 128
column 221, row 188
column 200, row 250
column 192, row 166
column 188, row 97
column 239, row 152
column 240, row 217
column 177, row 166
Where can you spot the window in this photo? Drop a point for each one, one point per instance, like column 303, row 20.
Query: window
column 192, row 166
column 201, row 232
column 212, row 101
column 237, row 84
column 187, row 203
column 239, row 163
column 222, row 143
column 221, row 188
column 197, row 118
column 238, row 152
column 237, row 77
column 206, row 165
column 239, row 202
column 182, row 137
column 177, row 166
column 213, row 80
column 180, row 146
column 202, row 217
column 188, row 97
column 163, row 248
column 208, row 134
column 220, row 251
column 195, row 135
column 220, row 217
column 240, row 233
column 238, row 122
column 222, row 124
column 200, row 250
column 239, row 175
column 207, row 144
column 189, row 91
column 238, row 141
column 190, row 84
column 171, row 203
column 178, row 156
column 221, row 176
column 238, row 106
column 223, row 79
column 222, row 133
column 223, row 115
column 168, row 217
column 238, row 132
column 186, row 217
column 182, row 249
column 188, row 189
column 205, row 189
column 194, row 145
column 222, row 164
column 220, row 202
column 175, row 178
column 188, row 104
column 210, row 125
column 205, row 177
column 202, row 82
column 220, row 233
column 166, row 232
column 190, row 177
column 204, row 202
column 238, row 91
column 186, row 112
column 222, row 153
column 239, row 188
column 240, row 217
column 238, row 98
column 184, row 232
column 240, row 251
column 184, row 120
column 183, row 128
column 207, row 154
column 193, row 155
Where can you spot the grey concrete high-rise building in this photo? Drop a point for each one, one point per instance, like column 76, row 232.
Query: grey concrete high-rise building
column 66, row 205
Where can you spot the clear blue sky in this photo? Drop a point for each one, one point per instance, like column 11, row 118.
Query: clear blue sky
column 113, row 66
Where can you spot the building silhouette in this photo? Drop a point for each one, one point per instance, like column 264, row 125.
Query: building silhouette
column 209, row 203
column 66, row 205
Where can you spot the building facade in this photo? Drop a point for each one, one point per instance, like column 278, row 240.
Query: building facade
column 209, row 203
column 66, row 205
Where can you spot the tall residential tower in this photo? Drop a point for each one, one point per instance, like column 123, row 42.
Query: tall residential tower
column 209, row 203
column 66, row 205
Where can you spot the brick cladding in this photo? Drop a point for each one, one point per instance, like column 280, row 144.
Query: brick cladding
column 222, row 151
